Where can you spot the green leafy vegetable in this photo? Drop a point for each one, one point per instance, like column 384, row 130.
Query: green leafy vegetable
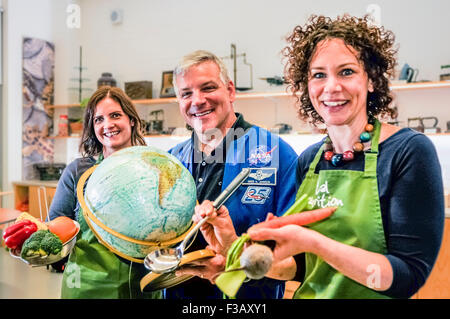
column 230, row 282
column 41, row 243
column 298, row 206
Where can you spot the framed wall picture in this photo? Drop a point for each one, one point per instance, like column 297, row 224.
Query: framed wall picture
column 167, row 89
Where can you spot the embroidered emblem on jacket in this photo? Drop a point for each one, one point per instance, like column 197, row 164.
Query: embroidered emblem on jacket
column 261, row 155
column 262, row 176
column 256, row 195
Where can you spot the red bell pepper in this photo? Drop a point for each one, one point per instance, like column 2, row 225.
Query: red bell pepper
column 15, row 235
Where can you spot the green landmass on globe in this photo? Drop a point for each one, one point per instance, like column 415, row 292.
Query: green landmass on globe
column 143, row 193
column 170, row 172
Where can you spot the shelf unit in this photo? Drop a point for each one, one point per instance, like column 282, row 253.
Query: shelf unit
column 170, row 100
column 275, row 94
column 420, row 86
column 34, row 192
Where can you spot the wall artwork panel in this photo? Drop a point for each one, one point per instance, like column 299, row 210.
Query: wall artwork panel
column 38, row 88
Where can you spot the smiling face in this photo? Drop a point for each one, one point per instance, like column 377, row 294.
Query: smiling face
column 112, row 126
column 338, row 84
column 205, row 101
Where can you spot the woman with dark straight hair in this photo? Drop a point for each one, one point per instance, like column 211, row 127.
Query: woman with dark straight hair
column 111, row 123
column 90, row 144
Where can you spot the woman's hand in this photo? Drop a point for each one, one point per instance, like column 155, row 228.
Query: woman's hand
column 218, row 230
column 358, row 264
column 285, row 237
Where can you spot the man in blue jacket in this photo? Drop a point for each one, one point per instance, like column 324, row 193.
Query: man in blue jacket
column 222, row 144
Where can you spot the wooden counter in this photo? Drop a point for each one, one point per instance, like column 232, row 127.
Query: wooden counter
column 437, row 285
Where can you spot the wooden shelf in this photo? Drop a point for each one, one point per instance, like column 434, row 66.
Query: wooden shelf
column 259, row 95
column 32, row 195
column 171, row 100
column 165, row 100
column 187, row 136
column 420, row 86
column 152, row 136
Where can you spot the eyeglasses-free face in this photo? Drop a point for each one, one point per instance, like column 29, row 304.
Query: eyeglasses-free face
column 337, row 83
column 205, row 101
column 112, row 126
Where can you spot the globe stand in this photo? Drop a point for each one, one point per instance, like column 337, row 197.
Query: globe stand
column 91, row 218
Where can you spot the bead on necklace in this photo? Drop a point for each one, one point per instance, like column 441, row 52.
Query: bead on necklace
column 358, row 146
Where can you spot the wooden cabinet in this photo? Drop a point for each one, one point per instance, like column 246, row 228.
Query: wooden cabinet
column 291, row 287
column 40, row 198
column 34, row 196
column 437, row 285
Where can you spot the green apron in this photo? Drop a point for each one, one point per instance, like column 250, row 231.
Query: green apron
column 356, row 222
column 93, row 271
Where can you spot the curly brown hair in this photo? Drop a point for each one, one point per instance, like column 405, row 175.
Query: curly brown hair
column 375, row 50
column 90, row 145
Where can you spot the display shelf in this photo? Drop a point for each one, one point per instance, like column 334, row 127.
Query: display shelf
column 171, row 100
column 420, row 86
column 275, row 94
column 165, row 100
column 32, row 196
column 61, row 106
column 177, row 136
column 145, row 136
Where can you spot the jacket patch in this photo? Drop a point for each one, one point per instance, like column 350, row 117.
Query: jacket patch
column 261, row 155
column 256, row 195
column 262, row 176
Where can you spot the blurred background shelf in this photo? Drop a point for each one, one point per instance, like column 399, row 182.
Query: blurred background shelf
column 259, row 95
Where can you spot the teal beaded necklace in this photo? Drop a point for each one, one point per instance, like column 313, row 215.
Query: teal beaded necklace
column 358, row 146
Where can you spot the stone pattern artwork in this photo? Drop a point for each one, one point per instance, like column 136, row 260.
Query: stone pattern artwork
column 38, row 88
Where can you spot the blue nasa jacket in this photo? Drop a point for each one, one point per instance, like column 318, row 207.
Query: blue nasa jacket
column 270, row 187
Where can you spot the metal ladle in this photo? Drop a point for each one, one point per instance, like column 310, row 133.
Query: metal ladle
column 165, row 260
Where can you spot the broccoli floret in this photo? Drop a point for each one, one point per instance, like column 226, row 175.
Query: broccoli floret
column 51, row 244
column 30, row 248
column 38, row 236
column 41, row 243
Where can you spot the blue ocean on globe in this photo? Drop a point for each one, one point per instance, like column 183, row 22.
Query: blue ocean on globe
column 143, row 193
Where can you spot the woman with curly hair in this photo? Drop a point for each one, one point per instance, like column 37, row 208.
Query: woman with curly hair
column 384, row 238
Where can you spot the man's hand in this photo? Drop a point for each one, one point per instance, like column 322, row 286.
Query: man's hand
column 207, row 268
column 218, row 230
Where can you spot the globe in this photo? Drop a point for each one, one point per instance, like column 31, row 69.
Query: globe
column 143, row 193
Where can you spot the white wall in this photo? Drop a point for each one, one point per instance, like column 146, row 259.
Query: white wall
column 155, row 34
column 23, row 18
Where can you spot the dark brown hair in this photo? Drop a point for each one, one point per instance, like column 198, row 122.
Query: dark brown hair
column 375, row 50
column 90, row 145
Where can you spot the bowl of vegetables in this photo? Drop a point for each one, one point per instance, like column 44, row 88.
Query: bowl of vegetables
column 39, row 244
